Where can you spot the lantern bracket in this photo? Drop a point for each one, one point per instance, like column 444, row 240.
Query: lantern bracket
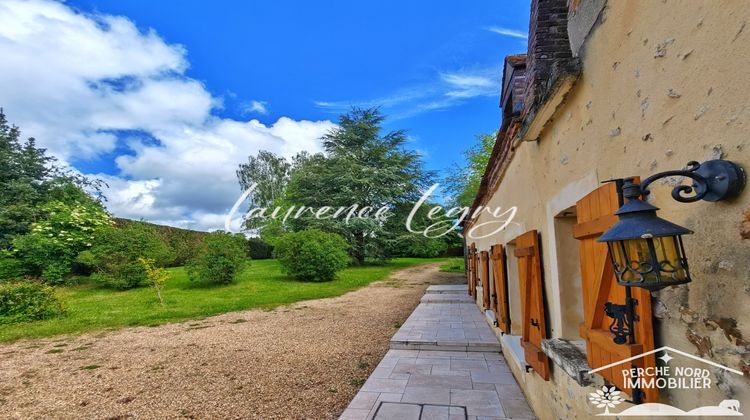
column 713, row 180
column 622, row 323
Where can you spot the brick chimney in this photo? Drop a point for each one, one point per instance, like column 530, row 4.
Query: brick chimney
column 549, row 47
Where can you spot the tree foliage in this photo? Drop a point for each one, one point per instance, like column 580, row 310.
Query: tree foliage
column 416, row 242
column 156, row 276
column 54, row 242
column 29, row 179
column 360, row 165
column 25, row 178
column 463, row 182
column 268, row 174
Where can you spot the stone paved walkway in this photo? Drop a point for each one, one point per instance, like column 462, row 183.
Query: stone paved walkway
column 451, row 369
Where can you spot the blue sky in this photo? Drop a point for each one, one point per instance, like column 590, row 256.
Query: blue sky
column 164, row 89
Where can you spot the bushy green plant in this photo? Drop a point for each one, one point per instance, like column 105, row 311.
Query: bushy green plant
column 312, row 255
column 11, row 268
column 258, row 249
column 53, row 243
column 27, row 301
column 222, row 259
column 156, row 276
column 114, row 255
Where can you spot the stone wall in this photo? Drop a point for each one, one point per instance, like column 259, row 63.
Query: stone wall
column 662, row 83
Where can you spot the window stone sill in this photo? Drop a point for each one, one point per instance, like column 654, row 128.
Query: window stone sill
column 512, row 347
column 569, row 358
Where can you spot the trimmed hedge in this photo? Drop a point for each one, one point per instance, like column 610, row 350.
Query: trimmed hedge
column 258, row 249
column 27, row 301
column 184, row 244
column 115, row 253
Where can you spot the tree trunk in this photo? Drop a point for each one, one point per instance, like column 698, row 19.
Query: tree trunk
column 359, row 249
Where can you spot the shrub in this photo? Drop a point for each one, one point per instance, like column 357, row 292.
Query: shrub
column 114, row 255
column 27, row 301
column 51, row 247
column 11, row 268
column 222, row 259
column 312, row 255
column 258, row 249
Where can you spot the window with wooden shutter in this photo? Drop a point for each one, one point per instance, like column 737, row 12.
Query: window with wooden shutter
column 499, row 298
column 534, row 324
column 484, row 264
column 595, row 214
column 472, row 270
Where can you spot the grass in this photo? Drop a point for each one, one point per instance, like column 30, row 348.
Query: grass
column 453, row 265
column 91, row 307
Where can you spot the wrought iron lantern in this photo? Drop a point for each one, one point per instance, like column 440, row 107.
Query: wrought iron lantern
column 647, row 251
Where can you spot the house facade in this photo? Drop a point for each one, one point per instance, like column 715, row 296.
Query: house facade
column 609, row 90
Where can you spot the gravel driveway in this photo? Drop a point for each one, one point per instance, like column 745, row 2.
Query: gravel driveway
column 305, row 360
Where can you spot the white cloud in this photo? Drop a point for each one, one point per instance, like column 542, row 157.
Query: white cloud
column 259, row 107
column 448, row 89
column 509, row 32
column 465, row 85
column 75, row 81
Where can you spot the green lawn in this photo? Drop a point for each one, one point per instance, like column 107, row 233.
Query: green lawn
column 453, row 265
column 261, row 285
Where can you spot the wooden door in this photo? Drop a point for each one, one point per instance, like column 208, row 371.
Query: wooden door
column 484, row 264
column 595, row 214
column 499, row 299
column 534, row 324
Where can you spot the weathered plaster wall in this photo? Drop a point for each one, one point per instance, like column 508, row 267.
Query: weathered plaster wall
column 663, row 82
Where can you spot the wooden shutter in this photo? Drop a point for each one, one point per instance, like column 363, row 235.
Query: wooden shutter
column 472, row 270
column 595, row 214
column 499, row 299
column 532, row 302
column 475, row 258
column 484, row 264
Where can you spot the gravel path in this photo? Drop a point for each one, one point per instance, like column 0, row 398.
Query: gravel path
column 305, row 360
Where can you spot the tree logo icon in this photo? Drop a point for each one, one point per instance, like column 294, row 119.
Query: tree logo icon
column 606, row 398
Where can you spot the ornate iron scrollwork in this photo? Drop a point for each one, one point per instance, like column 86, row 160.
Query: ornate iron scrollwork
column 621, row 324
column 713, row 180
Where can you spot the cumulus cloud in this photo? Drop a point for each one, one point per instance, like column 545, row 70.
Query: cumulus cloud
column 258, row 107
column 78, row 81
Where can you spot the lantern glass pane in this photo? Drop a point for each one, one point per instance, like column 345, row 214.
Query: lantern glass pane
column 633, row 262
column 671, row 262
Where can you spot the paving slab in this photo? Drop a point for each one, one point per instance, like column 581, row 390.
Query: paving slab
column 446, row 298
column 448, row 289
column 444, row 363
column 440, row 385
column 451, row 326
